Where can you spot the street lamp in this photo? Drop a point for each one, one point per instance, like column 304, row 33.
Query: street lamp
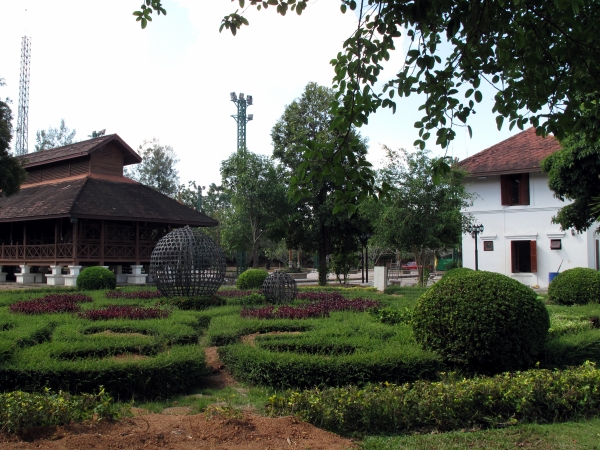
column 241, row 118
column 200, row 189
column 475, row 230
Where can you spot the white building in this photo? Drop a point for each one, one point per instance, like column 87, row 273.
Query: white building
column 515, row 205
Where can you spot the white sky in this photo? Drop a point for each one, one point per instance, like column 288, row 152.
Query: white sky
column 92, row 65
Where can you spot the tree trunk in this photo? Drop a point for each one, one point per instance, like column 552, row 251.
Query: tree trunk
column 255, row 256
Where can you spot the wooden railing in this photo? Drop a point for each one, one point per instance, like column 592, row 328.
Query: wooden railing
column 86, row 251
column 36, row 252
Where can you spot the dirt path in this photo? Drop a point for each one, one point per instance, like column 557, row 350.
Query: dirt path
column 176, row 429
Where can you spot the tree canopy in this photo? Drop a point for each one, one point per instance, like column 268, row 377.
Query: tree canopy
column 54, row 137
column 418, row 215
column 574, row 174
column 157, row 168
column 257, row 192
column 11, row 172
column 541, row 57
column 312, row 226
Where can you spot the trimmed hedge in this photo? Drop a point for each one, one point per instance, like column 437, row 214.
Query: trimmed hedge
column 482, row 321
column 251, row 279
column 20, row 410
column 534, row 396
column 96, row 278
column 578, row 286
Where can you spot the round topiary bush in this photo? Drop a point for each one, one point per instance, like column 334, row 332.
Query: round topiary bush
column 482, row 322
column 96, row 278
column 457, row 271
column 578, row 286
column 251, row 279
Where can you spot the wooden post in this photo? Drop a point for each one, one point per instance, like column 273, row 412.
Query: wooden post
column 137, row 242
column 56, row 222
column 75, row 239
column 24, row 242
column 102, row 228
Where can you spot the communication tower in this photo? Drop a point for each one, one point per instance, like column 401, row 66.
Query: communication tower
column 23, row 114
column 241, row 118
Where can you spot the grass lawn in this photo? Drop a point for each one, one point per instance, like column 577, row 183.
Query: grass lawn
column 345, row 347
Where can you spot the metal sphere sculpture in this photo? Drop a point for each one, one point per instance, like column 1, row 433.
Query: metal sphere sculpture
column 279, row 287
column 186, row 262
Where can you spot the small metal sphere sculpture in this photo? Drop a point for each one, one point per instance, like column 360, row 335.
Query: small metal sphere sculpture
column 279, row 287
column 186, row 262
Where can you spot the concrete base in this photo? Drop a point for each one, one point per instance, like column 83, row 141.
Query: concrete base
column 70, row 280
column 25, row 278
column 56, row 278
column 137, row 279
column 380, row 278
column 2, row 276
column 122, row 278
column 136, row 276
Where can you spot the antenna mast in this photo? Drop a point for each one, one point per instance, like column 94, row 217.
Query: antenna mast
column 21, row 147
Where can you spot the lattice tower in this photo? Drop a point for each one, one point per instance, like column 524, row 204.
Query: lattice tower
column 21, row 147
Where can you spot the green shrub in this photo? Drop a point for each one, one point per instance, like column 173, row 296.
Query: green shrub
column 534, row 396
column 456, row 271
column 20, row 410
column 392, row 316
column 578, row 286
column 195, row 303
column 482, row 321
column 248, row 300
column 96, row 278
column 251, row 279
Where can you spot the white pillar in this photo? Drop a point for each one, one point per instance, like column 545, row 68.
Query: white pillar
column 2, row 275
column 136, row 276
column 121, row 277
column 25, row 276
column 56, row 278
column 71, row 279
column 380, row 278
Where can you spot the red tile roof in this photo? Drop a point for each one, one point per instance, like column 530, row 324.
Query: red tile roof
column 517, row 154
column 99, row 197
column 80, row 149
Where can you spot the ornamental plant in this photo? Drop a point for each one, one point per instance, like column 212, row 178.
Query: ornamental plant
column 578, row 286
column 311, row 310
column 50, row 304
column 124, row 312
column 145, row 295
column 251, row 279
column 96, row 278
column 482, row 322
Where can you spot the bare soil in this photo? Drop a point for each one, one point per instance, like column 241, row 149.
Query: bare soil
column 182, row 432
column 175, row 428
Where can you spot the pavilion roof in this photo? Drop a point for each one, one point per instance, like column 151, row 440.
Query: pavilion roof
column 100, row 197
column 77, row 149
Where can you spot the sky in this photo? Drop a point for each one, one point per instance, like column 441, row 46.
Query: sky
column 97, row 69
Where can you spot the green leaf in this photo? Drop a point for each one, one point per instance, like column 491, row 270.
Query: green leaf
column 499, row 122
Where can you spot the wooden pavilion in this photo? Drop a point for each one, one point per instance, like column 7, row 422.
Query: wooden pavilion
column 76, row 209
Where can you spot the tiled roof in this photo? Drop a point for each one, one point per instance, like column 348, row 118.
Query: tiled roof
column 98, row 197
column 80, row 149
column 517, row 154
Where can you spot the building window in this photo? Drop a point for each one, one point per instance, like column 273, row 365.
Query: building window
column 523, row 256
column 488, row 246
column 555, row 244
column 515, row 189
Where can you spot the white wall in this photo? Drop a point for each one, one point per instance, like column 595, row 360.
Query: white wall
column 502, row 224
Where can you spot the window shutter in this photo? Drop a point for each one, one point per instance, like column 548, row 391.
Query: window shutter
column 513, row 257
column 524, row 189
column 533, row 255
column 505, row 189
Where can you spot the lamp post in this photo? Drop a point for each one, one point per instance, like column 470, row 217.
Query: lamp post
column 475, row 230
column 241, row 118
column 200, row 189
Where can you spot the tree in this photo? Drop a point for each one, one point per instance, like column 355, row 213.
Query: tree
column 541, row 57
column 12, row 173
column 258, row 199
column 419, row 214
column 573, row 174
column 157, row 168
column 54, row 137
column 313, row 227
